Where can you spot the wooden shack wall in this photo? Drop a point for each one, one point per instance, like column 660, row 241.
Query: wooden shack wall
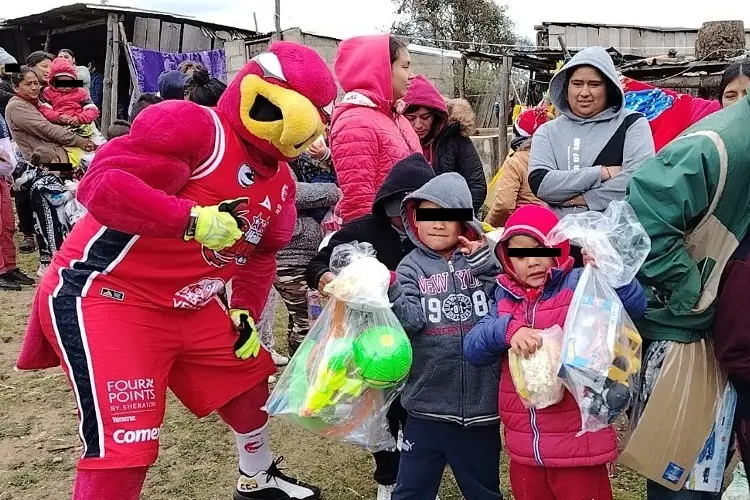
column 643, row 42
column 164, row 36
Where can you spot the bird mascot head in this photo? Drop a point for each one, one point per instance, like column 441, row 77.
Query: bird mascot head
column 281, row 101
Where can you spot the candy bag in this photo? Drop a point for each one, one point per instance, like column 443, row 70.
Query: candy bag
column 536, row 378
column 351, row 366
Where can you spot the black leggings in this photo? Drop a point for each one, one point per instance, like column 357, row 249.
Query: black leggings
column 386, row 462
column 25, row 212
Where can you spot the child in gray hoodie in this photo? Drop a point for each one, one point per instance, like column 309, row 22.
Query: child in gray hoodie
column 439, row 292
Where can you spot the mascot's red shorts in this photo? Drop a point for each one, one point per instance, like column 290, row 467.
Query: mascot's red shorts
column 120, row 359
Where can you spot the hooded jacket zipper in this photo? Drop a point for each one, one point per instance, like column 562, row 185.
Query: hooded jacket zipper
column 532, row 411
column 461, row 331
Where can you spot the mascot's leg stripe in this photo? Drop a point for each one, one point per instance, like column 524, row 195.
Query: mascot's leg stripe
column 220, row 144
column 67, row 319
column 102, row 254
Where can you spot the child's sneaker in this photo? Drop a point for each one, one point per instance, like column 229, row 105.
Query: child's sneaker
column 272, row 379
column 273, row 484
column 279, row 359
column 9, row 284
column 739, row 488
column 384, row 492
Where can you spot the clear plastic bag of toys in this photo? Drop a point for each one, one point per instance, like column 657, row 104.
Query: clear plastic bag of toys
column 345, row 375
column 615, row 238
column 535, row 377
column 601, row 356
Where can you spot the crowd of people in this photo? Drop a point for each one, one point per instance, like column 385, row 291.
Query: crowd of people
column 390, row 146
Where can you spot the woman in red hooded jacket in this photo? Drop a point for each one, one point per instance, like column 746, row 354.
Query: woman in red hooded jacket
column 368, row 133
column 548, row 460
column 444, row 127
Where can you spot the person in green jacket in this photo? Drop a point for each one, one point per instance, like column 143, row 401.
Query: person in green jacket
column 693, row 199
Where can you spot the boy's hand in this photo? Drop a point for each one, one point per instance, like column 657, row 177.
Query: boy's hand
column 327, row 277
column 74, row 121
column 469, row 247
column 588, row 259
column 66, row 119
column 526, row 342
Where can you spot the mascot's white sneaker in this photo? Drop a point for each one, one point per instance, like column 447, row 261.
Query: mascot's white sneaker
column 279, row 359
column 384, row 492
column 273, row 485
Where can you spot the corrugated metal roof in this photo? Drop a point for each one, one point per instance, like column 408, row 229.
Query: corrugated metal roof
column 57, row 16
column 667, row 29
column 433, row 51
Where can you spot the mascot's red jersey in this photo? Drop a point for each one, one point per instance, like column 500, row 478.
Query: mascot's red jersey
column 179, row 155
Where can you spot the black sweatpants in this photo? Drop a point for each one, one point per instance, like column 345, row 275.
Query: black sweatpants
column 473, row 454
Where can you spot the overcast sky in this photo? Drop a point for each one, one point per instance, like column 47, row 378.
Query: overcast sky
column 343, row 18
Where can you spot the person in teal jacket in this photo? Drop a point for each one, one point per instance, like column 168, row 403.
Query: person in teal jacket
column 693, row 199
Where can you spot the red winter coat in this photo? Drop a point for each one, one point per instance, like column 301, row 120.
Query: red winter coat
column 545, row 437
column 367, row 136
column 75, row 101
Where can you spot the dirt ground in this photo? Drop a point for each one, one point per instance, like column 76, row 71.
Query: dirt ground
column 39, row 443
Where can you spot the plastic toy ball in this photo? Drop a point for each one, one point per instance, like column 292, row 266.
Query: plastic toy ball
column 383, row 356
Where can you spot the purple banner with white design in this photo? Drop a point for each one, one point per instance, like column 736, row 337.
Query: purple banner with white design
column 149, row 64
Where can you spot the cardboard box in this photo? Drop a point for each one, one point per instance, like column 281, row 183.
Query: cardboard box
column 708, row 472
column 678, row 417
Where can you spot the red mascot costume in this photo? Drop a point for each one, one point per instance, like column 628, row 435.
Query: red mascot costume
column 192, row 201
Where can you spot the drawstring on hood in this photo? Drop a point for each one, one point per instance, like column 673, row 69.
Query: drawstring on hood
column 601, row 60
column 448, row 190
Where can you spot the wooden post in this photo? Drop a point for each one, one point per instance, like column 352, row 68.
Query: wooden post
column 129, row 59
column 277, row 16
column 503, row 100
column 255, row 18
column 114, row 96
column 106, row 110
column 462, row 84
column 48, row 41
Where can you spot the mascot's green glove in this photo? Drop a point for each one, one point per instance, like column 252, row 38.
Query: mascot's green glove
column 215, row 227
column 248, row 344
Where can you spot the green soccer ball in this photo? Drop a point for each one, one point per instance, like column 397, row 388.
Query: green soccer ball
column 383, row 356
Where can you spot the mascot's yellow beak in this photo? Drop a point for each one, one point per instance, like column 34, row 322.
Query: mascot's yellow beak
column 283, row 117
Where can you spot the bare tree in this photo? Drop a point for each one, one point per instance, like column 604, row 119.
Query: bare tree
column 439, row 22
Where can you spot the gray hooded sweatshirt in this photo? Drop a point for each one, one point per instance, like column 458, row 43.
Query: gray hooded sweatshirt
column 564, row 150
column 438, row 302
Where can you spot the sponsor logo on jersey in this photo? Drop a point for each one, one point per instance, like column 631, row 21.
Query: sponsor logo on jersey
column 245, row 176
column 240, row 251
column 279, row 208
column 112, row 294
column 197, row 295
column 284, row 192
column 266, row 203
column 122, row 436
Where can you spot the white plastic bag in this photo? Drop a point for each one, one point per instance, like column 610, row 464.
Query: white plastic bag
column 362, row 280
column 615, row 239
column 535, row 378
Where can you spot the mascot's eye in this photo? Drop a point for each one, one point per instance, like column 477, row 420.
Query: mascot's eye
column 270, row 65
column 264, row 110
